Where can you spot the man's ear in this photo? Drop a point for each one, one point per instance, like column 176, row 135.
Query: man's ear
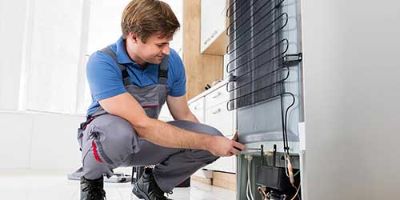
column 134, row 37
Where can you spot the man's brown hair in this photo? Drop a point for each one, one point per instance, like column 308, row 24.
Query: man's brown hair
column 146, row 17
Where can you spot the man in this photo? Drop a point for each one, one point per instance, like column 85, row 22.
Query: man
column 130, row 81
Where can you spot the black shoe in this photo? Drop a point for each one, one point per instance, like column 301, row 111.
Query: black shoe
column 92, row 189
column 147, row 188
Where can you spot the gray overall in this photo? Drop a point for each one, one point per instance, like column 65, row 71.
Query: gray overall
column 109, row 141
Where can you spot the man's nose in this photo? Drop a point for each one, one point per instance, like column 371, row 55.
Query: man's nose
column 166, row 50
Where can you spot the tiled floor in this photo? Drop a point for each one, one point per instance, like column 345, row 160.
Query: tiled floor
column 35, row 185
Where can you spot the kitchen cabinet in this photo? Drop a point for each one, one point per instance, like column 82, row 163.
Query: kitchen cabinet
column 210, row 108
column 213, row 39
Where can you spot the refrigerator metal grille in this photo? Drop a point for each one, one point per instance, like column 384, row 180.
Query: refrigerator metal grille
column 256, row 51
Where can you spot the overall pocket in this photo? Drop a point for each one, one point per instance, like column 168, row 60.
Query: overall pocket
column 148, row 98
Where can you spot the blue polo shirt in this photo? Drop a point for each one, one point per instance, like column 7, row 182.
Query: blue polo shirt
column 105, row 77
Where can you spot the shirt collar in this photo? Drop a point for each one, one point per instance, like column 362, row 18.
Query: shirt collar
column 122, row 55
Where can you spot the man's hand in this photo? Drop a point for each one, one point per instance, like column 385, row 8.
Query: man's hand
column 222, row 146
column 236, row 137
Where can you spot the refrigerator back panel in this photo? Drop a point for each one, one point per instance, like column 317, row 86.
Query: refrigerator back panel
column 265, row 70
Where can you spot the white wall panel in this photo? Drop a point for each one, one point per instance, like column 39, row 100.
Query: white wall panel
column 15, row 144
column 104, row 23
column 54, row 55
column 39, row 141
column 54, row 143
column 12, row 27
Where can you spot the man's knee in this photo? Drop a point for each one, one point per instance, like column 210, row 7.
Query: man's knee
column 117, row 126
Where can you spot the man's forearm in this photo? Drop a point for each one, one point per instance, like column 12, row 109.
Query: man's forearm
column 190, row 117
column 166, row 135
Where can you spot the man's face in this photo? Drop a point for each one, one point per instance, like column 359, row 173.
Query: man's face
column 153, row 50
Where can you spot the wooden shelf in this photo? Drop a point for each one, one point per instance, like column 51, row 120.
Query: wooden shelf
column 218, row 46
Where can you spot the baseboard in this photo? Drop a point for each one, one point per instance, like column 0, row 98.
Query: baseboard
column 224, row 180
column 220, row 179
column 202, row 179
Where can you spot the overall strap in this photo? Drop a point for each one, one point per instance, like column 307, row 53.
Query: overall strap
column 125, row 75
column 163, row 71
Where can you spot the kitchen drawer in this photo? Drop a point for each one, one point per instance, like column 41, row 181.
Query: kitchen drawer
column 219, row 117
column 216, row 97
column 197, row 108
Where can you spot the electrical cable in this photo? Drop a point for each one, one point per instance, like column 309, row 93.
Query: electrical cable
column 297, row 173
column 284, row 114
column 288, row 164
column 249, row 193
column 297, row 193
column 248, row 182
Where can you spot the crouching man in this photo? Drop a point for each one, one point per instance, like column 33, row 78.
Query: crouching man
column 130, row 80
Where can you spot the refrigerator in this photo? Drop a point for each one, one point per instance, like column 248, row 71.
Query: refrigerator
column 265, row 85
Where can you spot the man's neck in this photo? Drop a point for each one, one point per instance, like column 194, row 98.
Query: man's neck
column 135, row 58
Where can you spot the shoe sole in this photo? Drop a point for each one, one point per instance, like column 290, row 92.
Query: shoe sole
column 139, row 193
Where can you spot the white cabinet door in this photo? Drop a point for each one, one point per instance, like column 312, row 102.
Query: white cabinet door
column 217, row 114
column 197, row 108
column 219, row 117
column 220, row 95
column 212, row 109
column 213, row 16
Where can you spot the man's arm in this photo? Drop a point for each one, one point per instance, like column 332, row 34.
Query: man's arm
column 163, row 134
column 179, row 109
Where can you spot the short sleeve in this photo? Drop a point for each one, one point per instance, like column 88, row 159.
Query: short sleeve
column 104, row 77
column 177, row 72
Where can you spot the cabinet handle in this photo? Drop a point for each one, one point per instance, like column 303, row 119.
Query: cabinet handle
column 215, row 96
column 216, row 111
